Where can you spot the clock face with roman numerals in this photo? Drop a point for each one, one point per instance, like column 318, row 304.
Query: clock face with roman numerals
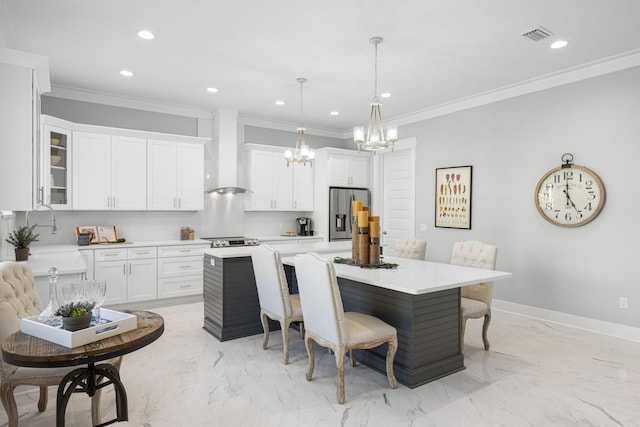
column 570, row 196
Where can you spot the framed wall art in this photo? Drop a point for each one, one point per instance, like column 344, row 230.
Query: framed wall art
column 453, row 197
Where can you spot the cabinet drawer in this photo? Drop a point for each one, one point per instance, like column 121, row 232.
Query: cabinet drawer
column 177, row 286
column 142, row 253
column 180, row 266
column 181, row 250
column 110, row 254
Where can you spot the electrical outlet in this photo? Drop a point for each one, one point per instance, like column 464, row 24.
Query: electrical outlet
column 423, row 227
column 623, row 302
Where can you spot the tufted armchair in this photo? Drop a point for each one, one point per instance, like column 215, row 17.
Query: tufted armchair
column 19, row 298
column 411, row 248
column 476, row 299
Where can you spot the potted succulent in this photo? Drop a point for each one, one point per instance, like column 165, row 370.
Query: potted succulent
column 76, row 315
column 21, row 239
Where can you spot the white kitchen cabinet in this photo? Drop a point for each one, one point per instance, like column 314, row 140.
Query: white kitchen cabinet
column 23, row 77
column 180, row 270
column 109, row 172
column 142, row 278
column 276, row 186
column 175, row 176
column 131, row 274
column 302, row 187
column 349, row 170
column 55, row 176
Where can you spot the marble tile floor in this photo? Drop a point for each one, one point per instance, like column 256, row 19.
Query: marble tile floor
column 536, row 374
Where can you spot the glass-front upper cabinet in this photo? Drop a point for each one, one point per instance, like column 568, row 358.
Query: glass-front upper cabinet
column 55, row 178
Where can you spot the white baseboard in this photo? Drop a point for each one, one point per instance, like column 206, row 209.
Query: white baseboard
column 592, row 325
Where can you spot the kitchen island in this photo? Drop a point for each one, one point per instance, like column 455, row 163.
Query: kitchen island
column 421, row 300
column 231, row 305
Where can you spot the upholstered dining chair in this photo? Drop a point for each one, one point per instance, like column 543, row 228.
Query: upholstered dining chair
column 328, row 325
column 476, row 299
column 411, row 248
column 19, row 298
column 273, row 293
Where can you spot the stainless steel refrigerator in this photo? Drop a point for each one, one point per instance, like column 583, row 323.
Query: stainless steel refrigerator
column 340, row 200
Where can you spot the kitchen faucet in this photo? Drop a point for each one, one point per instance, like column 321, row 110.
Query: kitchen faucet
column 54, row 228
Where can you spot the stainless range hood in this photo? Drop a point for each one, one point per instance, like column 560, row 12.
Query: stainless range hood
column 225, row 133
column 229, row 190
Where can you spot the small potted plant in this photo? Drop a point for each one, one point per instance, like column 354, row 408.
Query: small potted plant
column 76, row 315
column 21, row 239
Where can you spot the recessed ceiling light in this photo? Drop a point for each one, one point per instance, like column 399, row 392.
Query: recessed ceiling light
column 126, row 73
column 385, row 95
column 147, row 35
column 335, row 113
column 278, row 102
column 212, row 90
column 559, row 44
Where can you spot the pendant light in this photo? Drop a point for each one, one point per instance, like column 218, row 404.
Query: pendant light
column 376, row 138
column 302, row 153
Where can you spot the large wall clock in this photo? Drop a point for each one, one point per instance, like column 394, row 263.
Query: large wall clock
column 569, row 195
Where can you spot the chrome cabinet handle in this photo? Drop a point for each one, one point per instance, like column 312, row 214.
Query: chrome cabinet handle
column 185, row 286
column 129, row 269
column 185, row 266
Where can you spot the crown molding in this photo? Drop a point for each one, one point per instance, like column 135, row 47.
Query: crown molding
column 66, row 92
column 290, row 127
column 570, row 75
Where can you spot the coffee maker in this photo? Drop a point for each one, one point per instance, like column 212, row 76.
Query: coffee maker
column 304, row 226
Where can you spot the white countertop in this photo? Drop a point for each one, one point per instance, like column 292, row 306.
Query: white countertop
column 285, row 250
column 284, row 238
column 142, row 243
column 412, row 276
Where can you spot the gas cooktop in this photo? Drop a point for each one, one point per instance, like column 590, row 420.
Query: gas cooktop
column 223, row 242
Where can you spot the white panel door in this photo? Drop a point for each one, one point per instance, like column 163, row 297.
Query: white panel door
column 359, row 169
column 142, row 281
column 339, row 170
column 303, row 187
column 190, row 176
column 282, row 185
column 398, row 218
column 91, row 171
column 128, row 173
column 115, row 273
column 261, row 181
column 161, row 175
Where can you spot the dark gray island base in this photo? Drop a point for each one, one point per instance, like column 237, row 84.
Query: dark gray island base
column 428, row 324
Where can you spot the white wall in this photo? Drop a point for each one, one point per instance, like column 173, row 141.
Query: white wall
column 511, row 144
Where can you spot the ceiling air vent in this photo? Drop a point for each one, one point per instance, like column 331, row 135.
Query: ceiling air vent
column 537, row 34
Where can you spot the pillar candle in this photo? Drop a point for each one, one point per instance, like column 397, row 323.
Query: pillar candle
column 363, row 219
column 374, row 228
column 356, row 207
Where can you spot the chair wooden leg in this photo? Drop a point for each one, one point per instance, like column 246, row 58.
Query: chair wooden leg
column 340, row 353
column 312, row 359
column 44, row 398
column 284, row 326
column 485, row 328
column 9, row 403
column 265, row 328
column 391, row 355
column 352, row 356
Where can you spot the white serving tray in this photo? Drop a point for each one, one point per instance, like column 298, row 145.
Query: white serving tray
column 118, row 323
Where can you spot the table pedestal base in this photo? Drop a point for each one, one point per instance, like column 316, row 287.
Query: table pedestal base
column 89, row 380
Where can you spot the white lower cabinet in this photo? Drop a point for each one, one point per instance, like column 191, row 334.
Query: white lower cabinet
column 131, row 273
column 180, row 270
column 147, row 273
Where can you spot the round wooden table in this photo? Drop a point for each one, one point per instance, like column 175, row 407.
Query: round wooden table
column 25, row 350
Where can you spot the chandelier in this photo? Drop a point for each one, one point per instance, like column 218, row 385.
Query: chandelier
column 302, row 153
column 376, row 139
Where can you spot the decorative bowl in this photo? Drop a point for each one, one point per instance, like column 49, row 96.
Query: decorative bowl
column 55, row 160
